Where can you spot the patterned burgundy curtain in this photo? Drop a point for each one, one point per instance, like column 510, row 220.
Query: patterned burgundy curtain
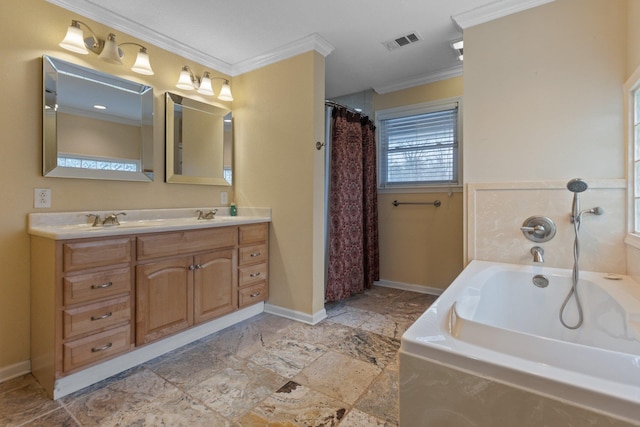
column 353, row 206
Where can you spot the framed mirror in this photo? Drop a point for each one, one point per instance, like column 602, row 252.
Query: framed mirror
column 199, row 142
column 95, row 125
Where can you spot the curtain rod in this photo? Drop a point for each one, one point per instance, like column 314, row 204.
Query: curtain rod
column 335, row 104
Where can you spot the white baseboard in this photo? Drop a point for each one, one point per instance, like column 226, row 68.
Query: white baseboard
column 311, row 319
column 14, row 371
column 74, row 382
column 410, row 287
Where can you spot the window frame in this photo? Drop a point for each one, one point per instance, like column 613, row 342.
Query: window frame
column 631, row 87
column 413, row 110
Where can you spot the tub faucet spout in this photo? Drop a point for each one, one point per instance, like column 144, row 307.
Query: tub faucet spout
column 537, row 253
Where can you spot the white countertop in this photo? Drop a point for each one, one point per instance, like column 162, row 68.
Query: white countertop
column 77, row 225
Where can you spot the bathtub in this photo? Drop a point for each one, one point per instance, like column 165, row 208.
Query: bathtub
column 492, row 351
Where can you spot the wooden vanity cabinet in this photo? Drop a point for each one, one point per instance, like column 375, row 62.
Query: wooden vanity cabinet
column 253, row 269
column 176, row 293
column 82, row 306
column 96, row 298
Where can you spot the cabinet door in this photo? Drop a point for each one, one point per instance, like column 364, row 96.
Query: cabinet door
column 164, row 298
column 216, row 291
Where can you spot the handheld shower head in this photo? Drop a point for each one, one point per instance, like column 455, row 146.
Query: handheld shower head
column 576, row 185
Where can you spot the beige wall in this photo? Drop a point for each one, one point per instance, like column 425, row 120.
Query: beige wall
column 543, row 96
column 633, row 36
column 420, row 245
column 543, row 104
column 41, row 27
column 275, row 161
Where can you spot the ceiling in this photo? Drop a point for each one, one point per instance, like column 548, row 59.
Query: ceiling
column 236, row 36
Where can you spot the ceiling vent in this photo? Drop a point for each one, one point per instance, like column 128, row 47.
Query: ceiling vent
column 401, row 41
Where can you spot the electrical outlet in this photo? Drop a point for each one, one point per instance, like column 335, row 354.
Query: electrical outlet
column 42, row 198
column 224, row 198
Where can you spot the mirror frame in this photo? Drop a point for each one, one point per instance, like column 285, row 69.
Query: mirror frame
column 171, row 176
column 51, row 69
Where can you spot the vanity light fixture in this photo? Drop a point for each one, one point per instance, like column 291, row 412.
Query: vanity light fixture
column 107, row 50
column 189, row 81
column 458, row 46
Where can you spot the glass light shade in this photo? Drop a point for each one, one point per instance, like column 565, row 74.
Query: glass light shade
column 184, row 81
column 225, row 92
column 142, row 64
column 205, row 85
column 458, row 45
column 74, row 40
column 110, row 53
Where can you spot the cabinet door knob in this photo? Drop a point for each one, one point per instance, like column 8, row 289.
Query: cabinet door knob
column 104, row 316
column 198, row 266
column 192, row 267
column 103, row 348
column 102, row 285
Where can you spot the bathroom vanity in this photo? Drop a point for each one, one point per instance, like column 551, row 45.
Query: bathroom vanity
column 104, row 299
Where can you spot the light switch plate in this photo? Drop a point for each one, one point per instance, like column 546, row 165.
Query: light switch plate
column 224, row 198
column 42, row 198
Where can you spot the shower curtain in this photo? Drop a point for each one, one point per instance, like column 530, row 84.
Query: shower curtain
column 353, row 255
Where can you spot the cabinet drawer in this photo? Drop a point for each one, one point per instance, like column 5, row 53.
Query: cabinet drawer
column 158, row 245
column 96, row 253
column 96, row 317
column 94, row 286
column 253, row 254
column 96, row 347
column 253, row 294
column 254, row 233
column 252, row 274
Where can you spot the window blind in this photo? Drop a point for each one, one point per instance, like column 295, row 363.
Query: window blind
column 421, row 149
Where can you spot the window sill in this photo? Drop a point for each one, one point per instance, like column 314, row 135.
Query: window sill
column 632, row 240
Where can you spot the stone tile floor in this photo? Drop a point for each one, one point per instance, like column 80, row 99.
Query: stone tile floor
column 265, row 371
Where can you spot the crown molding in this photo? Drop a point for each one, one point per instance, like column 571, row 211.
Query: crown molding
column 305, row 44
column 135, row 29
column 494, row 10
column 421, row 80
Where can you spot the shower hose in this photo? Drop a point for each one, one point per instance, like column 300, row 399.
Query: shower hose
column 574, row 278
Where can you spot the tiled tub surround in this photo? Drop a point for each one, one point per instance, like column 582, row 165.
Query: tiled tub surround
column 149, row 250
column 265, row 370
column 491, row 352
column 496, row 211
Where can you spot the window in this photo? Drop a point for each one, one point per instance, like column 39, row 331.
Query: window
column 85, row 162
column 419, row 146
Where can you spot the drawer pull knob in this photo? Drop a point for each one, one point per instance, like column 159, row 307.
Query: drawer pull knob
column 254, row 274
column 104, row 316
column 257, row 294
column 255, row 254
column 103, row 348
column 102, row 286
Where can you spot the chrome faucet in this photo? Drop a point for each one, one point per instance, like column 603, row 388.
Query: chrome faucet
column 537, row 253
column 112, row 219
column 208, row 215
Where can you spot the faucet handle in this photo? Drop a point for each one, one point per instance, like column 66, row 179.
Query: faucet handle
column 96, row 219
column 200, row 214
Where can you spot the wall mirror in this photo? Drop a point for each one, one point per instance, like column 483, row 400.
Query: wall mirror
column 95, row 125
column 199, row 142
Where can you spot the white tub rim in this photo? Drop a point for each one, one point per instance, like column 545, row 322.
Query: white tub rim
column 428, row 338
